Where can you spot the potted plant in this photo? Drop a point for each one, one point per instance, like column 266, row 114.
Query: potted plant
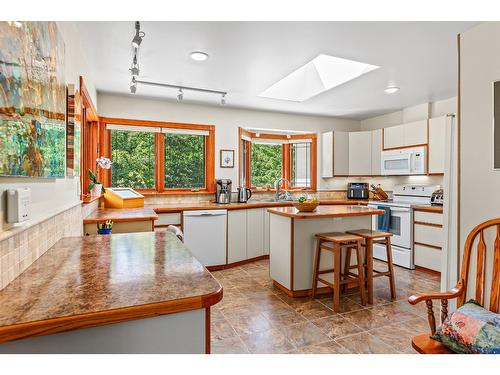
column 95, row 186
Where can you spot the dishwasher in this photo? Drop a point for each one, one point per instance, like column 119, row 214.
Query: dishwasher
column 205, row 235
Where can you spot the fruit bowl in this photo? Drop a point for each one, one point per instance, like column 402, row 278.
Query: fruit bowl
column 305, row 206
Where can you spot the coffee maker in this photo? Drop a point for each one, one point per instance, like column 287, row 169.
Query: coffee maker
column 223, row 191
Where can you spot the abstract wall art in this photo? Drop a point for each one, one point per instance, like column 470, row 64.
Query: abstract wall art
column 73, row 131
column 32, row 100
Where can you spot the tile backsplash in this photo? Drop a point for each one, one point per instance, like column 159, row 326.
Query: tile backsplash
column 20, row 250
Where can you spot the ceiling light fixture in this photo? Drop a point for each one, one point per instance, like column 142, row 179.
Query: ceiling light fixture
column 199, row 56
column 136, row 42
column 257, row 135
column 133, row 86
column 134, row 69
column 180, row 95
column 223, row 99
column 391, row 89
column 288, row 136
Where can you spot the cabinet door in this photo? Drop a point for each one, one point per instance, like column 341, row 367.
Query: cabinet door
column 255, row 232
column 376, row 152
column 427, row 257
column 360, row 153
column 340, row 153
column 327, row 154
column 415, row 133
column 437, row 135
column 236, row 235
column 266, row 231
column 394, row 136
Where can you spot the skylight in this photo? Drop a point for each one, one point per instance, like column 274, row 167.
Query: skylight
column 318, row 75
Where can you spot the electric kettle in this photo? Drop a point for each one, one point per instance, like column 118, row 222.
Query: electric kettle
column 244, row 195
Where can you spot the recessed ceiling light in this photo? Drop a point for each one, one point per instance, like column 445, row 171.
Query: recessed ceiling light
column 318, row 75
column 391, row 89
column 199, row 56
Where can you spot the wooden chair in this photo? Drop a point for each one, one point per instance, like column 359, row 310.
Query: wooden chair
column 423, row 343
column 374, row 237
column 334, row 243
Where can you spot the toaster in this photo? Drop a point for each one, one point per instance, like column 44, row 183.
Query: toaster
column 437, row 197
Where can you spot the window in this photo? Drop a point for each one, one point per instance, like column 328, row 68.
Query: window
column 184, row 161
column 159, row 157
column 265, row 164
column 133, row 157
column 268, row 157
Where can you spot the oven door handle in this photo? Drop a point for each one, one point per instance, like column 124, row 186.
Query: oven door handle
column 400, row 209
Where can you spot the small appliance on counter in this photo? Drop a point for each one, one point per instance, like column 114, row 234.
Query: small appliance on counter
column 244, row 194
column 437, row 197
column 223, row 191
column 357, row 190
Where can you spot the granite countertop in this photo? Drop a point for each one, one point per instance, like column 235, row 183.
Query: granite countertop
column 121, row 214
column 326, row 212
column 96, row 280
column 184, row 206
column 428, row 208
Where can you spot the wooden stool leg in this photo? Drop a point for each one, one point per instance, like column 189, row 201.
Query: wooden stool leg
column 337, row 266
column 369, row 269
column 317, row 258
column 347, row 266
column 390, row 268
column 361, row 274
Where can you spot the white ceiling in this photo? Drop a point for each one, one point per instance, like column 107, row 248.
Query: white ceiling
column 248, row 57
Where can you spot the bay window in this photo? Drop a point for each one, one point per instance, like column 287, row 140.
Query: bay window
column 264, row 158
column 153, row 156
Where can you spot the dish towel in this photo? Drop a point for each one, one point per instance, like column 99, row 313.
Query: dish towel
column 384, row 219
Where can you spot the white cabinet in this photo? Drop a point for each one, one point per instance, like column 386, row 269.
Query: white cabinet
column 266, row 231
column 255, row 232
column 428, row 239
column 360, row 153
column 236, row 236
column 406, row 135
column 335, row 154
column 376, row 166
column 437, row 136
column 394, row 136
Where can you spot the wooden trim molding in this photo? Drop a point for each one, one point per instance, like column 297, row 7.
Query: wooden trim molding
column 160, row 153
column 69, row 323
column 402, row 147
column 235, row 264
column 428, row 224
column 427, row 245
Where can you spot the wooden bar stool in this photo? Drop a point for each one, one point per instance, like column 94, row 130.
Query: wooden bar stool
column 334, row 243
column 371, row 237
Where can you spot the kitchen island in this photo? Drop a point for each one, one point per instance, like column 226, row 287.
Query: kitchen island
column 292, row 241
column 120, row 293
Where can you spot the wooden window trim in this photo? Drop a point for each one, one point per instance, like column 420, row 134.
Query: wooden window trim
column 286, row 158
column 160, row 154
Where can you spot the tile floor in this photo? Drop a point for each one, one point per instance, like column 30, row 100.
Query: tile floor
column 254, row 317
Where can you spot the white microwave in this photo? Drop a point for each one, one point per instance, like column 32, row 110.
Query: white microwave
column 404, row 161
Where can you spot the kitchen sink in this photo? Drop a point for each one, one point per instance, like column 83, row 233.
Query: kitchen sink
column 272, row 200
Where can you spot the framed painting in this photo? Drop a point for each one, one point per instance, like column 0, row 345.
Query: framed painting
column 227, row 158
column 32, row 100
column 73, row 131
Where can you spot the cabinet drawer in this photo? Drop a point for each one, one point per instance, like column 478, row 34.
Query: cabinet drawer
column 429, row 217
column 169, row 219
column 429, row 235
column 428, row 257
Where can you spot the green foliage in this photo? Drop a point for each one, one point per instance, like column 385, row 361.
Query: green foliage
column 184, row 161
column 266, row 160
column 133, row 157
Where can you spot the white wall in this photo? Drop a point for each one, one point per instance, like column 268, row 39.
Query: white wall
column 415, row 113
column 51, row 195
column 226, row 120
column 479, row 183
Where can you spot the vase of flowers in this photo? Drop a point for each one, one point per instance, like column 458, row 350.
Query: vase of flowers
column 95, row 186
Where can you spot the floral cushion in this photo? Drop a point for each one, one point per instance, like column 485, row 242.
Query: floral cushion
column 471, row 329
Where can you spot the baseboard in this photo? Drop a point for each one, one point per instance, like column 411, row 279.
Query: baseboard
column 236, row 264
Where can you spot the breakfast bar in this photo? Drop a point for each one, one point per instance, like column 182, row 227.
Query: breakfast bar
column 120, row 293
column 292, row 241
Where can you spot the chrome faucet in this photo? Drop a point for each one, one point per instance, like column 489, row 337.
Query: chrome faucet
column 281, row 194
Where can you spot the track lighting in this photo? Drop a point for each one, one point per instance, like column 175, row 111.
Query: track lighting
column 133, row 86
column 223, row 99
column 180, row 95
column 136, row 42
column 134, row 69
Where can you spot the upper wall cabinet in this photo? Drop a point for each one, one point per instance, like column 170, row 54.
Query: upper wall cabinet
column 360, row 153
column 376, row 151
column 335, row 154
column 437, row 142
column 406, row 135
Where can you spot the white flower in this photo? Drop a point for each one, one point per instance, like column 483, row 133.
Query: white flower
column 104, row 163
